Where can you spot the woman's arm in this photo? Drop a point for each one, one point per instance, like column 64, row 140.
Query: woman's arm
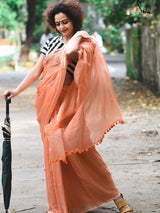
column 32, row 76
column 73, row 45
column 72, row 48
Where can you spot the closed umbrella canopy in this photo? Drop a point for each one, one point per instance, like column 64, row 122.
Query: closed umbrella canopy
column 6, row 158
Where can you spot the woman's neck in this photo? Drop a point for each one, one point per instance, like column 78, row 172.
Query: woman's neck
column 66, row 39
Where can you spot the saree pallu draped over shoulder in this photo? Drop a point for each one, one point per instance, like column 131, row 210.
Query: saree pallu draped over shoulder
column 75, row 118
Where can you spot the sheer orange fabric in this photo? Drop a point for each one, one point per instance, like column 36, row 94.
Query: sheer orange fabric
column 84, row 183
column 75, row 118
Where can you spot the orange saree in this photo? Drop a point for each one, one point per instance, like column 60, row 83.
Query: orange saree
column 73, row 119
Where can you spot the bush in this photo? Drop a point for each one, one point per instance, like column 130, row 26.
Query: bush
column 112, row 39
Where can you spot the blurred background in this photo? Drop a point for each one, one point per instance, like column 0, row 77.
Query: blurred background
column 127, row 28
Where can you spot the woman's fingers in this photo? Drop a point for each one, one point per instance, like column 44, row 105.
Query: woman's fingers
column 10, row 93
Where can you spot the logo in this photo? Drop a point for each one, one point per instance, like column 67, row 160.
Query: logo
column 146, row 6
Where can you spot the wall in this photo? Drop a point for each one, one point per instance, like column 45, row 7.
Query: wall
column 151, row 57
column 143, row 55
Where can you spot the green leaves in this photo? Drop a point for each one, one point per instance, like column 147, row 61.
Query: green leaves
column 8, row 14
column 13, row 2
column 118, row 12
column 7, row 17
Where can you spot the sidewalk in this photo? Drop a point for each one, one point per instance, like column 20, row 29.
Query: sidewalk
column 131, row 152
column 115, row 58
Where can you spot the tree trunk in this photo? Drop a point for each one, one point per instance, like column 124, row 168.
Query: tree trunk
column 31, row 7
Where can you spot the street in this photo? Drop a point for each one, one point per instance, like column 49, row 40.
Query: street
column 131, row 151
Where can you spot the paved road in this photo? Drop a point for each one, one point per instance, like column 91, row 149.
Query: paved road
column 129, row 153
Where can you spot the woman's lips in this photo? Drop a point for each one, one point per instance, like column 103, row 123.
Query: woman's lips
column 64, row 31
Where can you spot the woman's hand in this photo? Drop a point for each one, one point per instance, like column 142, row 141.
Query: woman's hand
column 11, row 94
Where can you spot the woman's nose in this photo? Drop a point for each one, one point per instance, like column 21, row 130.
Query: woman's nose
column 62, row 27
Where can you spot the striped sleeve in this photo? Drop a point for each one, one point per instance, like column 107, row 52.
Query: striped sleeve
column 49, row 44
column 71, row 67
column 45, row 48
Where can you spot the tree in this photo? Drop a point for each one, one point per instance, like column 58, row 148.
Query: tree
column 31, row 8
column 39, row 25
column 9, row 13
column 35, row 9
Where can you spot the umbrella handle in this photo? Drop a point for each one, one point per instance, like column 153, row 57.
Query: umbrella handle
column 8, row 101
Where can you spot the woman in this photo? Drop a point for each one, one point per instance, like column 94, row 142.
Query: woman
column 75, row 106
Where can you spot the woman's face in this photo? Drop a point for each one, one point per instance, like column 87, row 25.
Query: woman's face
column 64, row 25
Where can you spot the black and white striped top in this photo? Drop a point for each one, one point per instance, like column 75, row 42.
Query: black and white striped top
column 53, row 44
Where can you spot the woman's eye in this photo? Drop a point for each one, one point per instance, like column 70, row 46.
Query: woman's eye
column 65, row 22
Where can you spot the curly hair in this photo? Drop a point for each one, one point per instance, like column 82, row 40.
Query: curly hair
column 71, row 8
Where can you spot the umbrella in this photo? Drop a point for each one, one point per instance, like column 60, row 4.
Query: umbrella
column 6, row 158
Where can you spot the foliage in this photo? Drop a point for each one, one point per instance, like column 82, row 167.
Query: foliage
column 40, row 25
column 149, row 6
column 112, row 38
column 10, row 11
column 8, row 21
column 87, row 24
column 133, row 56
column 5, row 60
column 113, row 11
column 118, row 13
